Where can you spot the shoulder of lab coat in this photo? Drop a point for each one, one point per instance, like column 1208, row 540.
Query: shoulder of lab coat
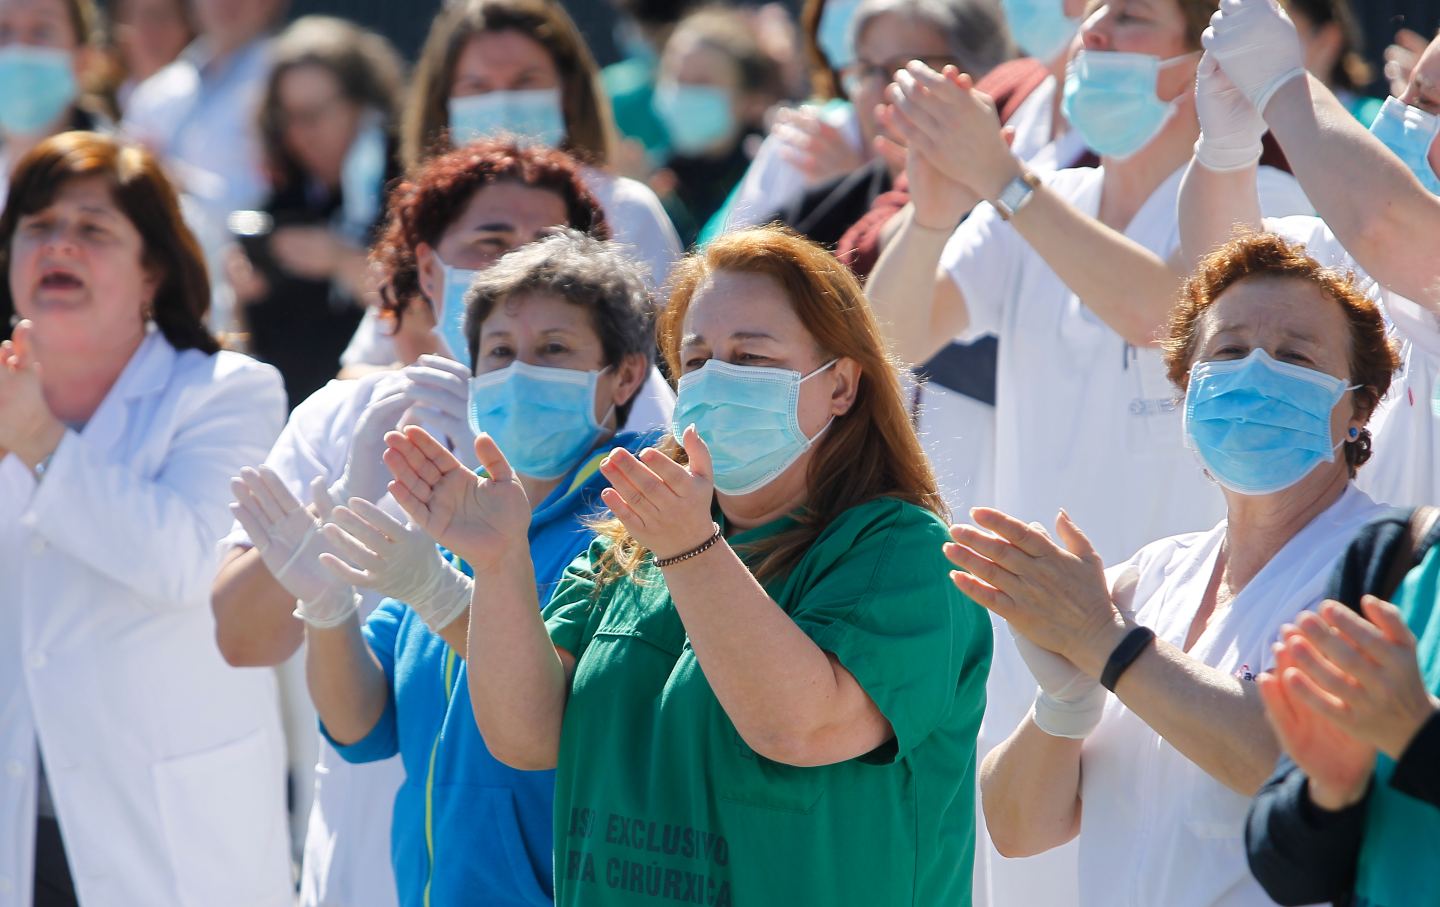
column 141, row 494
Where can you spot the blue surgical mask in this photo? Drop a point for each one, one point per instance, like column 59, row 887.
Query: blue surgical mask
column 543, row 419
column 36, row 85
column 749, row 418
column 1409, row 132
column 833, row 34
column 1040, row 27
column 1259, row 425
column 450, row 317
column 696, row 117
column 1110, row 100
column 362, row 177
column 534, row 116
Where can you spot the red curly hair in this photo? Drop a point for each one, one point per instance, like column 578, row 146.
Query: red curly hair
column 435, row 193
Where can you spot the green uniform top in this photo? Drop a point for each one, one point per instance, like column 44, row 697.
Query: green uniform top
column 659, row 801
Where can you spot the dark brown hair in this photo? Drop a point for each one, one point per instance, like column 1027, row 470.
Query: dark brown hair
column 434, row 194
column 148, row 201
column 588, row 128
column 870, row 452
column 824, row 75
column 364, row 64
column 1253, row 256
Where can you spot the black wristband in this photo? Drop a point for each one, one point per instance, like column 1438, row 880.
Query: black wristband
column 1124, row 655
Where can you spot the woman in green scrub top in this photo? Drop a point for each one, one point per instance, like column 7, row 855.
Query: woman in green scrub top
column 758, row 686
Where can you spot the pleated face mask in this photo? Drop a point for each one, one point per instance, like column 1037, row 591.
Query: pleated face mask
column 543, row 419
column 1110, row 99
column 749, row 418
column 1040, row 27
column 1259, row 425
column 1409, row 132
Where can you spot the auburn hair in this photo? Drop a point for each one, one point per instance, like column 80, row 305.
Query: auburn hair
column 1254, row 256
column 870, row 452
column 436, row 192
column 589, row 131
column 146, row 198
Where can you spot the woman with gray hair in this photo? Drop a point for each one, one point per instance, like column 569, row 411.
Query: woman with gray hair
column 559, row 332
column 970, row 34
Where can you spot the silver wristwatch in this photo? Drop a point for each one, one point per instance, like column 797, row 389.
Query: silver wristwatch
column 1016, row 194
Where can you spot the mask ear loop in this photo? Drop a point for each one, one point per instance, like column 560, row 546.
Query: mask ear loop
column 810, row 441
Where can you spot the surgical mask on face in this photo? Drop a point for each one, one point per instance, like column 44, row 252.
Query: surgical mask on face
column 1110, row 100
column 749, row 417
column 1259, row 425
column 450, row 314
column 1040, row 27
column 833, row 33
column 1409, row 132
column 543, row 419
column 696, row 117
column 362, row 177
column 36, row 85
column 532, row 117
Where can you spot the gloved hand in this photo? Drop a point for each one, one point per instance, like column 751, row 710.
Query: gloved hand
column 1070, row 703
column 290, row 544
column 440, row 391
column 374, row 550
column 365, row 474
column 1257, row 46
column 1230, row 129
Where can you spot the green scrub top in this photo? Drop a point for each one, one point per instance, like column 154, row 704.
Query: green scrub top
column 659, row 801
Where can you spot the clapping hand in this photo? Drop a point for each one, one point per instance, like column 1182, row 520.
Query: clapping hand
column 1257, row 46
column 664, row 505
column 27, row 427
column 483, row 519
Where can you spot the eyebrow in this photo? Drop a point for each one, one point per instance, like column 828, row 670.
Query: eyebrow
column 697, row 339
column 498, row 226
column 1289, row 334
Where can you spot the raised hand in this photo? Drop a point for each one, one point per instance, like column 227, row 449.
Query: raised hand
column 1231, row 129
column 483, row 519
column 440, row 391
column 1337, row 765
column 1054, row 596
column 813, row 146
column 1362, row 675
column 954, row 126
column 1257, row 46
column 27, row 426
column 374, row 550
column 365, row 474
column 288, row 539
column 664, row 505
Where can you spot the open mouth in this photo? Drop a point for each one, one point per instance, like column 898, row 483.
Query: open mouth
column 56, row 279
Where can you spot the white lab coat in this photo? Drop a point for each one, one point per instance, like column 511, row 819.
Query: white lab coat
column 1156, row 829
column 165, row 765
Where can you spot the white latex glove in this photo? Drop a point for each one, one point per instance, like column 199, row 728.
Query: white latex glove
column 1070, row 702
column 290, row 543
column 1257, row 46
column 1230, row 128
column 365, row 474
column 440, row 391
column 376, row 551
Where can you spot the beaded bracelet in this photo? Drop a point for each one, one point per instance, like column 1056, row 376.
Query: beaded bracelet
column 694, row 552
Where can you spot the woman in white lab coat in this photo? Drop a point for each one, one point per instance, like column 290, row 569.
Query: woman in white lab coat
column 123, row 733
column 1282, row 363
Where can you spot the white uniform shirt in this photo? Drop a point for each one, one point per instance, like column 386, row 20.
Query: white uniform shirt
column 1156, row 829
column 347, row 845
column 638, row 222
column 1404, row 467
column 165, row 764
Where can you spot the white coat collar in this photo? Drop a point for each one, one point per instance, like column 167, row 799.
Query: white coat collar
column 147, row 372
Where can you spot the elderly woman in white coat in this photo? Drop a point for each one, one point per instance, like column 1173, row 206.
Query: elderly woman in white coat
column 1282, row 363
column 139, row 768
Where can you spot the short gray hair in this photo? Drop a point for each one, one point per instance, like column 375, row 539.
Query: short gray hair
column 975, row 30
column 591, row 273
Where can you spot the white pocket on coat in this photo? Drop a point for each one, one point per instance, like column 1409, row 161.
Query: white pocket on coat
column 223, row 815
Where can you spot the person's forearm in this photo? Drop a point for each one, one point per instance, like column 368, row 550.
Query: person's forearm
column 1212, row 206
column 901, row 290
column 1213, row 719
column 1030, row 790
column 518, row 684
column 1129, row 287
column 457, row 634
column 777, row 686
column 347, row 684
column 1376, row 207
column 352, row 273
column 255, row 623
